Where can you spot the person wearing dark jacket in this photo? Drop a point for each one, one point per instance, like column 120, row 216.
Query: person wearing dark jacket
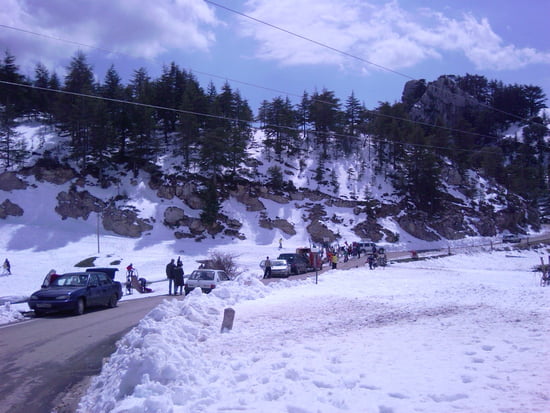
column 178, row 279
column 170, row 267
column 267, row 270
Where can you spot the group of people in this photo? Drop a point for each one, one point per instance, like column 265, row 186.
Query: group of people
column 377, row 257
column 174, row 273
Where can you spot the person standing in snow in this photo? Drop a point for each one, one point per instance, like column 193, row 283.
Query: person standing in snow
column 178, row 278
column 370, row 260
column 170, row 267
column 280, row 243
column 267, row 270
column 7, row 267
column 130, row 270
column 334, row 260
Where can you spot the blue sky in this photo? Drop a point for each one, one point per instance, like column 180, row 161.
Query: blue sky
column 505, row 40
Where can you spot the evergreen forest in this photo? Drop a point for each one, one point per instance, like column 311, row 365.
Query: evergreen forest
column 105, row 125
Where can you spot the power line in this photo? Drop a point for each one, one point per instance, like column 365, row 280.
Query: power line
column 372, row 112
column 265, row 87
column 326, row 46
column 252, row 123
column 352, row 56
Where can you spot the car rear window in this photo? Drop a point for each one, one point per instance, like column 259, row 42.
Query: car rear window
column 202, row 275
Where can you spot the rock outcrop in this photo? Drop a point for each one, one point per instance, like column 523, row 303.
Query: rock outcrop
column 9, row 181
column 77, row 204
column 8, row 208
column 124, row 222
column 438, row 101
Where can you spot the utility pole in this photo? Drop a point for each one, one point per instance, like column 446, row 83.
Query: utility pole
column 98, row 218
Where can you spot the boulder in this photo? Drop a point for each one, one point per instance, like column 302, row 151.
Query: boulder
column 278, row 223
column 320, row 234
column 78, row 204
column 125, row 222
column 50, row 171
column 249, row 197
column 8, row 208
column 9, row 181
column 416, row 225
column 173, row 217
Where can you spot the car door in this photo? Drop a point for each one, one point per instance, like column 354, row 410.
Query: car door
column 105, row 288
column 93, row 291
column 223, row 276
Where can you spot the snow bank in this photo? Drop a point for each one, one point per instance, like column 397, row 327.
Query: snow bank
column 463, row 333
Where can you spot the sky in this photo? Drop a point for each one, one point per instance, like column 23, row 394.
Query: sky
column 267, row 49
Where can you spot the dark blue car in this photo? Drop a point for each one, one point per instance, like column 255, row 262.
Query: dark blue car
column 74, row 292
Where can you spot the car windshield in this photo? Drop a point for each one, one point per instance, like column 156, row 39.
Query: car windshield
column 71, row 280
column 278, row 263
column 288, row 257
column 202, row 275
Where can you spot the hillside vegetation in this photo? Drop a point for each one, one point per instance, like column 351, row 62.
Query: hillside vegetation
column 459, row 156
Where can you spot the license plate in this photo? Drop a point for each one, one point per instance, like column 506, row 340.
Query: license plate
column 43, row 305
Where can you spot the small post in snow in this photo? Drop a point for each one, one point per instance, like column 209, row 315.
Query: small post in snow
column 228, row 317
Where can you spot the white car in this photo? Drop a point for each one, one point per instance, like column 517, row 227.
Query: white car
column 511, row 238
column 205, row 279
column 279, row 268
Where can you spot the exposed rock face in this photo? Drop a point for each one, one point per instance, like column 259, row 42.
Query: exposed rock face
column 320, row 233
column 278, row 223
column 186, row 191
column 9, row 181
column 8, row 208
column 418, row 226
column 50, row 170
column 125, row 223
column 75, row 204
column 174, row 217
column 249, row 197
column 441, row 100
column 369, row 229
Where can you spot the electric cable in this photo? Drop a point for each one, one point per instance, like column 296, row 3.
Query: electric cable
column 252, row 123
column 355, row 57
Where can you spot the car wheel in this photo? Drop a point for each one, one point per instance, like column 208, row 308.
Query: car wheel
column 79, row 310
column 38, row 313
column 113, row 301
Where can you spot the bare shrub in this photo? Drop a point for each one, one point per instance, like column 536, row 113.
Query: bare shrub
column 224, row 261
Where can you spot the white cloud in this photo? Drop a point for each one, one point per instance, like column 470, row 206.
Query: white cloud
column 387, row 35
column 143, row 29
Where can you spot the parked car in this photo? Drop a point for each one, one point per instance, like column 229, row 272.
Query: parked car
column 298, row 263
column 205, row 279
column 279, row 268
column 365, row 247
column 75, row 292
column 511, row 238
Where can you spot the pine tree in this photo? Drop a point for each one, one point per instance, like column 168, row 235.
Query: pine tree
column 141, row 143
column 12, row 105
column 211, row 204
column 326, row 118
column 76, row 111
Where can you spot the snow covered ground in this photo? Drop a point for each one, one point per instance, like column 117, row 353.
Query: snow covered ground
column 465, row 333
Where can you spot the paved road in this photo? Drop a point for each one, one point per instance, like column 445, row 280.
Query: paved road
column 44, row 361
